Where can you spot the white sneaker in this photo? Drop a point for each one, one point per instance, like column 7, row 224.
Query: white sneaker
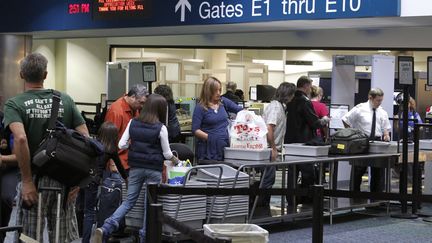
column 98, row 236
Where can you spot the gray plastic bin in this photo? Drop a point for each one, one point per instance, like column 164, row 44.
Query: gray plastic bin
column 239, row 233
column 378, row 147
column 305, row 150
column 247, row 154
column 426, row 144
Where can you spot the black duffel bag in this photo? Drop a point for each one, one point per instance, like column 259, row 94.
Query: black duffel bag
column 65, row 155
column 349, row 141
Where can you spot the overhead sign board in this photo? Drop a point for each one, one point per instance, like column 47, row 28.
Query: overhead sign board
column 429, row 71
column 406, row 70
column 75, row 14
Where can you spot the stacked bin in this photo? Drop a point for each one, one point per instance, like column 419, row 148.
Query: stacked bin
column 188, row 209
column 233, row 209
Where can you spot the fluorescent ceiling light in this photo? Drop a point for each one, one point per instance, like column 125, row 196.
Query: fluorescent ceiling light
column 384, row 51
column 193, row 60
column 317, row 50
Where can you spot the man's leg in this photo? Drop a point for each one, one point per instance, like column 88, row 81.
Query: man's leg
column 377, row 179
column 358, row 174
column 90, row 204
column 267, row 182
column 68, row 225
column 307, row 179
column 291, row 181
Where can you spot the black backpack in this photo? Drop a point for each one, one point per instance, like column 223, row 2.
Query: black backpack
column 349, row 141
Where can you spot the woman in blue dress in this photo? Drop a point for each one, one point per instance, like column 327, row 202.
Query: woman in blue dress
column 210, row 121
column 412, row 114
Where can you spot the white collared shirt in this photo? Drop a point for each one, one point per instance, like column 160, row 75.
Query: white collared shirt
column 274, row 114
column 360, row 117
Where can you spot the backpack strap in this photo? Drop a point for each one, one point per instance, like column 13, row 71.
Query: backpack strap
column 54, row 110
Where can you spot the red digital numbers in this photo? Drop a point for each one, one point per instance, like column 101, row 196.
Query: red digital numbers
column 76, row 8
column 85, row 7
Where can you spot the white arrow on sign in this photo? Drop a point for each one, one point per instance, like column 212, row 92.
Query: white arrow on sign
column 183, row 4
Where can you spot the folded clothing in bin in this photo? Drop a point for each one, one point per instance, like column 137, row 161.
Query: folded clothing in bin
column 238, row 233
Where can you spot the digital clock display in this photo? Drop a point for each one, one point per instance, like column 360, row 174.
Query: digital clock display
column 114, row 9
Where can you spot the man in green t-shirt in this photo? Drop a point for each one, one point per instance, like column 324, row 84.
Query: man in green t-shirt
column 27, row 116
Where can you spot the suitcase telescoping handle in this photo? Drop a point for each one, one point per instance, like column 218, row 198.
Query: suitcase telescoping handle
column 39, row 213
column 55, row 189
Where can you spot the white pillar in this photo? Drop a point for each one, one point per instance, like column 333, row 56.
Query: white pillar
column 383, row 76
column 13, row 48
column 343, row 88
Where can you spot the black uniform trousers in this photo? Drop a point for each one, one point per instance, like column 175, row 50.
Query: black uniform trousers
column 377, row 181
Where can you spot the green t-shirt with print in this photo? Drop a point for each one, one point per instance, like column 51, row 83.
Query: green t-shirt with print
column 33, row 109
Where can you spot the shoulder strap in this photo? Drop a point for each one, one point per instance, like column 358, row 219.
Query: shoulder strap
column 166, row 118
column 54, row 109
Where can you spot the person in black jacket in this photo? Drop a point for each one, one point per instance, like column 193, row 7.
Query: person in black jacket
column 302, row 123
column 229, row 94
column 172, row 122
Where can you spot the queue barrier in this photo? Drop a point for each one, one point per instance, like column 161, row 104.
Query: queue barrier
column 316, row 192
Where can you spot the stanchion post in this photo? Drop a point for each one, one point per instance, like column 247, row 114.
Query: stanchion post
column 416, row 173
column 317, row 213
column 403, row 174
column 403, row 182
column 154, row 226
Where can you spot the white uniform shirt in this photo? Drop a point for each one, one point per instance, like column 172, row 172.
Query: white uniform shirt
column 360, row 117
column 274, row 114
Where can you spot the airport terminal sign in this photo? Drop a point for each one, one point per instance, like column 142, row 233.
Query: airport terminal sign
column 271, row 10
column 91, row 14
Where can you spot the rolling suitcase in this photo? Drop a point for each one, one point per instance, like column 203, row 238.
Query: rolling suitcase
column 26, row 239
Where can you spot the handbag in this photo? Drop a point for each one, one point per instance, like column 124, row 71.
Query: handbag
column 349, row 141
column 110, row 196
column 66, row 155
column 175, row 175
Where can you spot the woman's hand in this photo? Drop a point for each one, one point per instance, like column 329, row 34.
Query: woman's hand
column 174, row 160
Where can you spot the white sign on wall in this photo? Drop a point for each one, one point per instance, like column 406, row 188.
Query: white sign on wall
column 406, row 70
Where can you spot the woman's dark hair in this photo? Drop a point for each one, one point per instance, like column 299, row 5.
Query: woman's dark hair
column 108, row 136
column 239, row 93
column 154, row 110
column 285, row 92
column 165, row 91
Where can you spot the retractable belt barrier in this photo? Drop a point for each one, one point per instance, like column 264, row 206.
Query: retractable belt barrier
column 316, row 192
column 157, row 218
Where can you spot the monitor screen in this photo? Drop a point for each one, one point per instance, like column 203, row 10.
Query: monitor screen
column 257, row 111
column 265, row 92
column 336, row 114
column 252, row 93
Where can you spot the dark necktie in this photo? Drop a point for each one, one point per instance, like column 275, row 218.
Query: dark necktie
column 372, row 134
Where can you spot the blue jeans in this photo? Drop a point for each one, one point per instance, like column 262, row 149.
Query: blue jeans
column 137, row 176
column 90, row 204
